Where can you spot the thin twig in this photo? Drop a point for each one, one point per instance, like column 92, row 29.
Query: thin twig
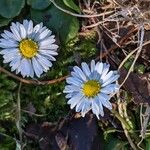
column 130, row 54
column 79, row 15
column 133, row 145
column 120, row 118
column 32, row 81
column 34, row 114
column 136, row 57
column 122, row 40
column 18, row 121
column 144, row 119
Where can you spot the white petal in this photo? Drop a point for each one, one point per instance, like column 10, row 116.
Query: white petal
column 25, row 67
column 37, row 27
column 37, row 67
column 85, row 108
column 35, row 31
column 99, row 103
column 104, row 99
column 25, row 24
column 49, row 36
column 15, row 63
column 94, row 76
column 10, row 35
column 111, row 80
column 48, row 52
column 31, row 69
column 92, row 65
column 71, row 88
column 51, row 46
column 74, row 81
column 43, row 34
column 80, row 72
column 105, row 77
column 15, row 31
column 85, row 69
column 46, row 42
column 8, row 43
column 51, row 58
column 8, row 51
column 80, row 104
column 9, row 57
column 95, row 109
column 75, row 100
column 111, row 88
column 5, row 36
column 22, row 32
column 105, row 70
column 30, row 28
column 99, row 68
column 70, row 95
column 44, row 62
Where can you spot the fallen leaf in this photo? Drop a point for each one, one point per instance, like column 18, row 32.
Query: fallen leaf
column 138, row 85
column 69, row 133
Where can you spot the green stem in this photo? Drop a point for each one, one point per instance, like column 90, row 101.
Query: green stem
column 18, row 121
column 121, row 119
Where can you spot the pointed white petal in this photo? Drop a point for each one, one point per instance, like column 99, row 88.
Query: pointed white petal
column 15, row 31
column 71, row 88
column 106, row 77
column 99, row 103
column 110, row 80
column 37, row 67
column 74, row 81
column 99, row 68
column 104, row 99
column 92, row 65
column 111, row 88
column 25, row 67
column 80, row 72
column 22, row 31
column 85, row 69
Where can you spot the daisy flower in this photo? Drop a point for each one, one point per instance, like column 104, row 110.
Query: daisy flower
column 28, row 49
column 91, row 88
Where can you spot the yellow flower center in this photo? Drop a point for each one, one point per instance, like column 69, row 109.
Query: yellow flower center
column 28, row 48
column 91, row 88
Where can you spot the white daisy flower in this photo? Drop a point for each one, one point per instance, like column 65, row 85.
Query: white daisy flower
column 91, row 88
column 29, row 49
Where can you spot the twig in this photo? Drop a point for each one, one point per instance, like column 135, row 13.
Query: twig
column 79, row 15
column 18, row 121
column 121, row 119
column 32, row 81
column 123, row 39
column 124, row 125
column 31, row 113
column 144, row 119
column 136, row 57
column 130, row 54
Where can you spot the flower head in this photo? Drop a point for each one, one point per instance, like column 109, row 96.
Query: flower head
column 29, row 49
column 91, row 88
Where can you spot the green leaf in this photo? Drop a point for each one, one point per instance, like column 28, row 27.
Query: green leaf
column 6, row 143
column 64, row 25
column 39, row 4
column 11, row 8
column 147, row 144
column 115, row 144
column 72, row 5
column 4, row 21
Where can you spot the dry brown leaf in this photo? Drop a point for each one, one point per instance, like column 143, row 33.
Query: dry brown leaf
column 138, row 85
